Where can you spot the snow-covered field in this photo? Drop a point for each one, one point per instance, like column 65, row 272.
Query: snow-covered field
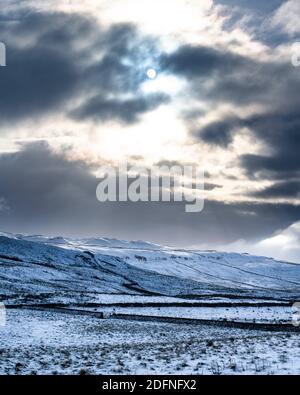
column 282, row 314
column 36, row 342
column 138, row 279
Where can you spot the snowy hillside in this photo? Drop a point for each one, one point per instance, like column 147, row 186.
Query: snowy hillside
column 43, row 267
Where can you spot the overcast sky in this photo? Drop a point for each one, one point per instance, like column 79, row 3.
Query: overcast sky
column 75, row 95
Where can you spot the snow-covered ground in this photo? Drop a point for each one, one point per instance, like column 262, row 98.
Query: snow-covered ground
column 36, row 342
column 137, row 300
column 40, row 266
column 143, row 279
column 274, row 314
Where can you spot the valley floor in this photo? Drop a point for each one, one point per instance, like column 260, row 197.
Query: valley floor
column 46, row 342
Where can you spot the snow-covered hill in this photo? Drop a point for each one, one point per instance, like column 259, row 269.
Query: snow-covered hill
column 41, row 267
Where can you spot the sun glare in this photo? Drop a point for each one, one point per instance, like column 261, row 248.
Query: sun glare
column 151, row 74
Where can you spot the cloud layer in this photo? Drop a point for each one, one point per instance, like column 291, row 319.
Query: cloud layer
column 226, row 96
column 57, row 60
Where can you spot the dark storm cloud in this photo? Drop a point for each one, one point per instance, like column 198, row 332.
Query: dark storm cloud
column 35, row 81
column 218, row 76
column 219, row 133
column 51, row 62
column 233, row 78
column 42, row 189
column 33, row 176
column 42, row 74
column 257, row 6
column 46, row 193
column 127, row 111
column 202, row 62
column 126, row 56
column 277, row 166
column 253, row 16
column 280, row 132
column 284, row 189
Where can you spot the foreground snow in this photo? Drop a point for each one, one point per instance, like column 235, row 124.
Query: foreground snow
column 35, row 342
column 138, row 279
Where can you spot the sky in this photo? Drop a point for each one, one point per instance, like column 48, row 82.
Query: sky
column 75, row 95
